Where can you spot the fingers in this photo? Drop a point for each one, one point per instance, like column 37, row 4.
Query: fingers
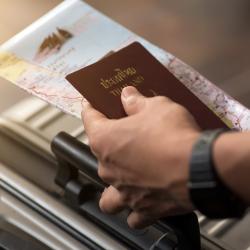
column 96, row 127
column 111, row 201
column 133, row 101
column 139, row 220
column 91, row 117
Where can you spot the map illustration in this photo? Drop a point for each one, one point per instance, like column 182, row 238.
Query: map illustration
column 38, row 59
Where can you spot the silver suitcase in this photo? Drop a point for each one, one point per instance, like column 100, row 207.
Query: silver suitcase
column 50, row 200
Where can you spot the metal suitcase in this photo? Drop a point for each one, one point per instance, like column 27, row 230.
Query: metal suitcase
column 50, row 201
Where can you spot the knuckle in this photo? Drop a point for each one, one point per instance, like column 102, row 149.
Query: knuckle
column 125, row 197
column 105, row 175
column 96, row 141
column 94, row 144
column 107, row 153
column 177, row 109
column 180, row 109
column 125, row 192
column 101, row 172
column 100, row 142
column 160, row 99
column 106, row 157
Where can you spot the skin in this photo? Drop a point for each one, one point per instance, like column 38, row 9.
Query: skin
column 145, row 157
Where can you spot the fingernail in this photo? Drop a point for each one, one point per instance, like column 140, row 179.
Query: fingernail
column 128, row 92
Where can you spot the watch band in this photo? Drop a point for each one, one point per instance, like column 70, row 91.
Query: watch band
column 207, row 192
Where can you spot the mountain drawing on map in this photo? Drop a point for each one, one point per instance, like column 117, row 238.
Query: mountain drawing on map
column 52, row 43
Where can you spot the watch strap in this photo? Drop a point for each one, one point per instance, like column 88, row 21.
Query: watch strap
column 207, row 192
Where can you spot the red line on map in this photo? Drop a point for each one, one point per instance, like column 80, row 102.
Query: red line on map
column 53, row 95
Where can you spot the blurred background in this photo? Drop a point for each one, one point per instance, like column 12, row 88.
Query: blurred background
column 212, row 36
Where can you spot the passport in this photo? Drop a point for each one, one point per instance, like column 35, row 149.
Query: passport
column 101, row 84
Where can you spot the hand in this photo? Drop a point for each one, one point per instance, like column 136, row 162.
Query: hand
column 144, row 156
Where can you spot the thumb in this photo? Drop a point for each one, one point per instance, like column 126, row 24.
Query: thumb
column 133, row 101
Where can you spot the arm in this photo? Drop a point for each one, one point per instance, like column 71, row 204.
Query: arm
column 232, row 160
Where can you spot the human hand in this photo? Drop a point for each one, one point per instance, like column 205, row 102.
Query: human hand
column 144, row 156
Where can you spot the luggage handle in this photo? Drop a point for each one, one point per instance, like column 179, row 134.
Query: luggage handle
column 73, row 155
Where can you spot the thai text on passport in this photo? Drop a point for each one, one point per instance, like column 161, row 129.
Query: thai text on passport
column 122, row 77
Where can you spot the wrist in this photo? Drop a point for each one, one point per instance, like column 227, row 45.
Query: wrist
column 179, row 182
column 223, row 156
column 230, row 162
column 207, row 190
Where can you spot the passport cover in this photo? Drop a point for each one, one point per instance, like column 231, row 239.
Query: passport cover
column 102, row 82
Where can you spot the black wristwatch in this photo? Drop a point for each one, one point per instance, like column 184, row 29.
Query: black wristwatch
column 207, row 191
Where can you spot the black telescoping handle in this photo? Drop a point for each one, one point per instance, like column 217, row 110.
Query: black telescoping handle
column 71, row 151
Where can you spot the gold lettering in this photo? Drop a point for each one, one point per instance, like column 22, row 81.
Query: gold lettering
column 104, row 83
column 130, row 71
column 118, row 91
column 120, row 76
column 112, row 82
column 138, row 80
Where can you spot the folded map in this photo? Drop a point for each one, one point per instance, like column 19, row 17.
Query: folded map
column 74, row 35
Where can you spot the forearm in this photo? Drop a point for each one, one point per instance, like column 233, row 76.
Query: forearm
column 231, row 154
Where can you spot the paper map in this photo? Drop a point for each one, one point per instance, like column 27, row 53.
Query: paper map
column 74, row 35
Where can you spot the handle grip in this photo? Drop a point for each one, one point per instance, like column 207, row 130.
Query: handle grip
column 79, row 156
column 70, row 150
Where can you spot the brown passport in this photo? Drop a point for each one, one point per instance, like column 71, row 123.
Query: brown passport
column 102, row 82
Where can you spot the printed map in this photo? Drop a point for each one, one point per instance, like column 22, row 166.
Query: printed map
column 74, row 35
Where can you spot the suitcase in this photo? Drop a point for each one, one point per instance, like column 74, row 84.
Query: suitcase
column 50, row 197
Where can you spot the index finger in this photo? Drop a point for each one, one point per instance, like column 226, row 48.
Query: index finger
column 91, row 117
